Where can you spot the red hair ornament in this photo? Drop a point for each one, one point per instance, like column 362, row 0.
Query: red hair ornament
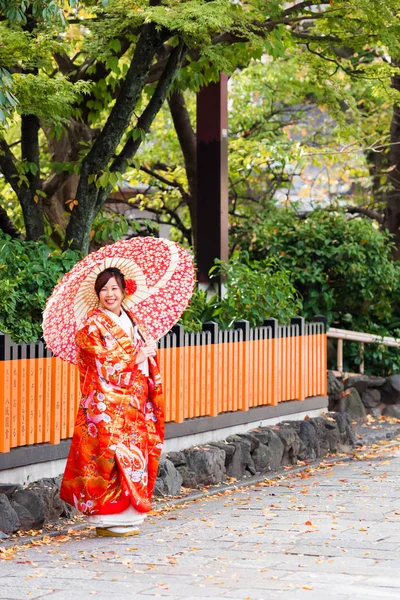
column 130, row 287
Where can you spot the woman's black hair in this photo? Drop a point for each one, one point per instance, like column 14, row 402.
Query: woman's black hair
column 106, row 275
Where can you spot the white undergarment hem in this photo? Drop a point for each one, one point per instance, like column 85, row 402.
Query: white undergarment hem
column 127, row 518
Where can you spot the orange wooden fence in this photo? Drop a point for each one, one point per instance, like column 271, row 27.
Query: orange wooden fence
column 204, row 374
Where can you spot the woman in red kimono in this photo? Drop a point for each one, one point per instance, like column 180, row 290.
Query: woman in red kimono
column 119, row 431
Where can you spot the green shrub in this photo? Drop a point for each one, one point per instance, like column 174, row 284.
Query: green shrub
column 341, row 267
column 200, row 310
column 28, row 273
column 255, row 290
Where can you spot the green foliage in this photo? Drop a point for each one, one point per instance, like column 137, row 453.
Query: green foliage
column 50, row 98
column 109, row 226
column 28, row 273
column 16, row 11
column 254, row 290
column 200, row 310
column 7, row 99
column 341, row 267
column 378, row 358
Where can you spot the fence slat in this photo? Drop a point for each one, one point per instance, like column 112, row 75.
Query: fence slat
column 38, row 393
column 14, row 396
column 5, row 412
column 47, row 386
column 22, row 383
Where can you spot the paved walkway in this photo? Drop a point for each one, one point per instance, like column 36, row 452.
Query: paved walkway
column 329, row 532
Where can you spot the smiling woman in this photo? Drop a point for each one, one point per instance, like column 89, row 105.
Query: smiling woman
column 110, row 287
column 113, row 461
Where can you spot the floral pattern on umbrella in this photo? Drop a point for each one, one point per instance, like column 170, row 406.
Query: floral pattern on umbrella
column 164, row 277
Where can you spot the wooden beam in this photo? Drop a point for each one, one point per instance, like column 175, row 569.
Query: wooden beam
column 211, row 227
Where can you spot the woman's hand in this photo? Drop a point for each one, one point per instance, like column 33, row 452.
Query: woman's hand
column 149, row 349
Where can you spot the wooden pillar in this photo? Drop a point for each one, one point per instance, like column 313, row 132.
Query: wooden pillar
column 211, row 227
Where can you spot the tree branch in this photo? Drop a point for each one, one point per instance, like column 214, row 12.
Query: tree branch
column 174, row 218
column 257, row 28
column 164, row 180
column 55, row 182
column 300, row 6
column 186, row 137
column 368, row 212
column 316, row 38
column 7, row 225
column 8, row 166
column 146, row 118
column 121, row 113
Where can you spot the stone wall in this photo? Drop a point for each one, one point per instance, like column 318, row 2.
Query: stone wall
column 261, row 450
column 32, row 506
column 359, row 395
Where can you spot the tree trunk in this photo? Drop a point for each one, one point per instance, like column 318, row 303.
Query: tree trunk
column 31, row 202
column 90, row 198
column 392, row 210
column 187, row 141
column 62, row 187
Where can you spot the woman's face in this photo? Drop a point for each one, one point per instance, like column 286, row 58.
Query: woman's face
column 111, row 296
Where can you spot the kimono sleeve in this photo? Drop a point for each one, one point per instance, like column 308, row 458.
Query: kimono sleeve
column 113, row 365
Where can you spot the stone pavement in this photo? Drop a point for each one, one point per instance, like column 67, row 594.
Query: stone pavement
column 327, row 532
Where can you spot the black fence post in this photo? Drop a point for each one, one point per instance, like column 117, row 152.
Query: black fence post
column 213, row 328
column 299, row 321
column 321, row 319
column 179, row 331
column 273, row 323
column 244, row 326
column 5, row 346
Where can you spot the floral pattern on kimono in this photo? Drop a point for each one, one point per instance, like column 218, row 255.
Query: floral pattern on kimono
column 119, row 429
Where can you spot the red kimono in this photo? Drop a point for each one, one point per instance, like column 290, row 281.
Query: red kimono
column 119, row 428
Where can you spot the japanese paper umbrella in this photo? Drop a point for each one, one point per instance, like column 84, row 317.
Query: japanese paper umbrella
column 160, row 278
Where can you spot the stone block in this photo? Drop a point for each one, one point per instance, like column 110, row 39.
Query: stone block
column 9, row 520
column 208, row 462
column 347, row 437
column 376, row 381
column 390, row 392
column 271, row 439
column 242, row 460
column 30, row 508
column 189, row 478
column 9, row 488
column 335, row 387
column 371, row 398
column 262, row 458
column 309, row 436
column 392, row 410
column 358, row 382
column 235, row 465
column 320, row 426
column 331, row 435
column 254, row 442
column 47, row 490
column 169, row 480
column 229, row 449
column 178, row 459
column 293, row 447
column 352, row 405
